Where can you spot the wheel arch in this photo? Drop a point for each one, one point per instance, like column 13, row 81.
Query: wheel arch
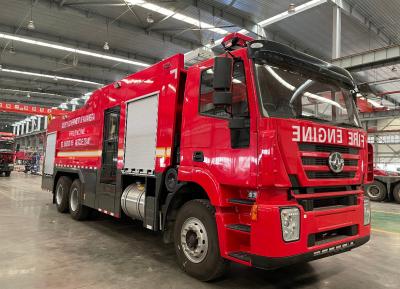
column 174, row 201
column 71, row 173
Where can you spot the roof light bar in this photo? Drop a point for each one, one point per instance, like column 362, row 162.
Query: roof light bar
column 57, row 46
column 175, row 15
column 50, row 76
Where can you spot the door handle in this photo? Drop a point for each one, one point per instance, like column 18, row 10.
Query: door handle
column 198, row 156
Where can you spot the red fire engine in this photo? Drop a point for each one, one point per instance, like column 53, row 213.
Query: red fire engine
column 256, row 157
column 7, row 153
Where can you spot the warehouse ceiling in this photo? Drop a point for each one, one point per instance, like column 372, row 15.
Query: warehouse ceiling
column 78, row 45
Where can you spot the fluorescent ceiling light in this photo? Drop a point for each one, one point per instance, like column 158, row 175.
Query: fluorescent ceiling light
column 286, row 14
column 277, row 18
column 175, row 15
column 50, row 76
column 57, row 46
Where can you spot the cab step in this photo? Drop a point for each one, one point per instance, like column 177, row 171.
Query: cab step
column 248, row 202
column 239, row 227
column 243, row 256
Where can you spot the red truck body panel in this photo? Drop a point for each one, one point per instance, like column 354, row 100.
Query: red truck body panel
column 79, row 139
column 273, row 168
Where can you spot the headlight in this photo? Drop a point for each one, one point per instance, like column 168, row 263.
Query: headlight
column 367, row 211
column 290, row 221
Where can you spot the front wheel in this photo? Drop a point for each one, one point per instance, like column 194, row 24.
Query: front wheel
column 196, row 241
column 376, row 191
column 7, row 174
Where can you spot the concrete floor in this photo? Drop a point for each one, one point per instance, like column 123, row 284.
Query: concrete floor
column 40, row 248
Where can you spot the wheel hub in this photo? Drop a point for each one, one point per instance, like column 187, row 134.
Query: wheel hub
column 59, row 194
column 194, row 240
column 74, row 199
column 373, row 190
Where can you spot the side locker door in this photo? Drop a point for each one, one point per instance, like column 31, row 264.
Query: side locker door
column 105, row 195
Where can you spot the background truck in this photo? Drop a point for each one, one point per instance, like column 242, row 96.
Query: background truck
column 7, row 153
column 255, row 157
column 386, row 186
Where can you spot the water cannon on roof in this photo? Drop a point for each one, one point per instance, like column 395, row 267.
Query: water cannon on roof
column 235, row 41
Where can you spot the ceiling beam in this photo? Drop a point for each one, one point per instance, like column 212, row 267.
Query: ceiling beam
column 102, row 20
column 23, row 72
column 34, row 100
column 60, row 63
column 224, row 12
column 363, row 20
column 72, row 46
column 370, row 59
column 247, row 25
column 365, row 116
column 42, row 86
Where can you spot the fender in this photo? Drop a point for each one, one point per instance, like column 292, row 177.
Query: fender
column 71, row 171
column 203, row 178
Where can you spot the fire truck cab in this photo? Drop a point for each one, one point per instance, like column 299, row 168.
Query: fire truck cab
column 7, row 153
column 256, row 156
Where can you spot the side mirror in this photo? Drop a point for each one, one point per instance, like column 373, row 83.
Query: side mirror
column 223, row 69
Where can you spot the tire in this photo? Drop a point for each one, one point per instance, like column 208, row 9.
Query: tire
column 62, row 194
column 196, row 218
column 396, row 193
column 376, row 191
column 77, row 210
column 7, row 174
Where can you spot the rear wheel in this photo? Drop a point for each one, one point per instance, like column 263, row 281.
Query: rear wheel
column 376, row 191
column 77, row 210
column 62, row 194
column 196, row 241
column 396, row 193
column 7, row 174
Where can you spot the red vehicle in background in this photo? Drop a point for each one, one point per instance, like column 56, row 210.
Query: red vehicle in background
column 255, row 157
column 386, row 186
column 7, row 153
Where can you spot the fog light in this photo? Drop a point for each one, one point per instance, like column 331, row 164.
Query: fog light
column 367, row 211
column 290, row 222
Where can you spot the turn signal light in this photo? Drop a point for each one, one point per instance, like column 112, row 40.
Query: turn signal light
column 253, row 213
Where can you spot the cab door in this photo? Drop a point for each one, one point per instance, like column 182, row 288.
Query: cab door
column 108, row 173
column 208, row 141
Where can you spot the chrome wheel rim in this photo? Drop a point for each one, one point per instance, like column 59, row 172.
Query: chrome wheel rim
column 59, row 194
column 74, row 199
column 194, row 240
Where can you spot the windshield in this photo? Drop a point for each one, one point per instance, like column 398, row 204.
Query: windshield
column 6, row 145
column 288, row 94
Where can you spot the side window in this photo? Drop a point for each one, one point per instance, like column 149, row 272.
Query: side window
column 239, row 93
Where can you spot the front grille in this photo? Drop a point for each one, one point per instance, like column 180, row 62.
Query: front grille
column 320, row 160
column 332, row 235
column 326, row 203
column 311, row 161
column 308, row 147
column 330, row 175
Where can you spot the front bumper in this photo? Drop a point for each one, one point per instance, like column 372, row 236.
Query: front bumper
column 270, row 263
column 323, row 232
column 6, row 167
